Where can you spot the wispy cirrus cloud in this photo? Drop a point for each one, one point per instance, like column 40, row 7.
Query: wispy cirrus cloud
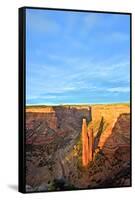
column 119, row 89
column 77, row 57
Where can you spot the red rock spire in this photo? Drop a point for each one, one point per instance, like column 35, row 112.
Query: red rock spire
column 87, row 143
column 85, row 147
column 91, row 142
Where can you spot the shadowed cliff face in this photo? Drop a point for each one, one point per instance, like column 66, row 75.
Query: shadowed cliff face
column 54, row 149
column 117, row 152
column 120, row 137
column 43, row 125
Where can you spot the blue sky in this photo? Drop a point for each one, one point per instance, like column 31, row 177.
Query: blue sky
column 74, row 57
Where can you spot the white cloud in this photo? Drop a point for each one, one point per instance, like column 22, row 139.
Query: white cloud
column 119, row 89
column 42, row 97
column 83, row 75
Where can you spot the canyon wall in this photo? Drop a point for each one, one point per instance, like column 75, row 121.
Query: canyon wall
column 111, row 164
column 43, row 124
column 62, row 139
column 51, row 134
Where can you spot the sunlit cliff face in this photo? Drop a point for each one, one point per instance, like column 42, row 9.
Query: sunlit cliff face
column 99, row 130
column 87, row 143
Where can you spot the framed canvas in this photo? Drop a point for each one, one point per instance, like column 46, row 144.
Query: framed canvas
column 74, row 99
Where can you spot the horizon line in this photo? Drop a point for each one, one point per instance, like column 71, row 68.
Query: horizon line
column 61, row 104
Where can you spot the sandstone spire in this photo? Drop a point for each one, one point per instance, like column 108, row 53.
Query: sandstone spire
column 85, row 147
column 87, row 143
column 91, row 142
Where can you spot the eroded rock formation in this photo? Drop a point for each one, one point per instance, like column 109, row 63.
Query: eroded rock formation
column 54, row 148
column 91, row 142
column 43, row 125
column 87, row 143
column 51, row 134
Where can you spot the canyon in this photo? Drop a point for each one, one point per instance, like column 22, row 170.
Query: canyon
column 79, row 146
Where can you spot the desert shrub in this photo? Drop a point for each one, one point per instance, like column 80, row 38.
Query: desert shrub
column 60, row 184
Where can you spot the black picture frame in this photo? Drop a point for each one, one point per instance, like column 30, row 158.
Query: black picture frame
column 22, row 91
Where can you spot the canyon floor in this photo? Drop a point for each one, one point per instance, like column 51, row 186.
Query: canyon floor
column 54, row 147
